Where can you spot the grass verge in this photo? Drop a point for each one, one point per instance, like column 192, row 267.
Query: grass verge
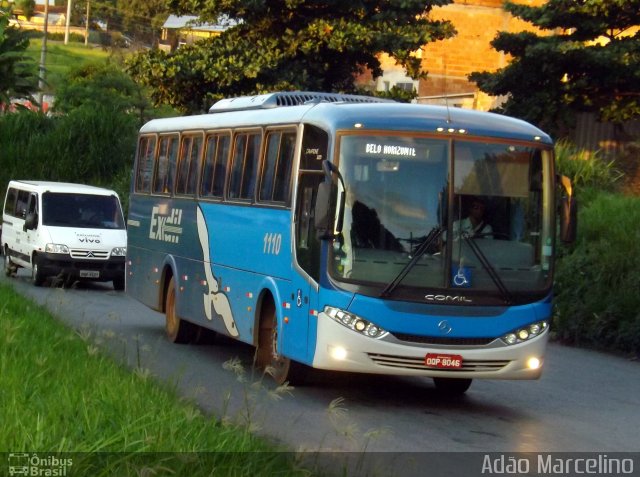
column 59, row 394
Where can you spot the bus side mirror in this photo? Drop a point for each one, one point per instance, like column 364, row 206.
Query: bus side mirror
column 325, row 210
column 31, row 221
column 568, row 212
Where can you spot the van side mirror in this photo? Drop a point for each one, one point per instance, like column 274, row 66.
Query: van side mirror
column 568, row 212
column 31, row 221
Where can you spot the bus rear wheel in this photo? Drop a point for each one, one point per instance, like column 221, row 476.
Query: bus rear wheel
column 9, row 267
column 268, row 357
column 452, row 386
column 178, row 330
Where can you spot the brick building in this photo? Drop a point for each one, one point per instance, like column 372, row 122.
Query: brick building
column 449, row 62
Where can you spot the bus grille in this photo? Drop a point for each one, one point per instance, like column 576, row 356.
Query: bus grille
column 89, row 254
column 405, row 362
column 437, row 340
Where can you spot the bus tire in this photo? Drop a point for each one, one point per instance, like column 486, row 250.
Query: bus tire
column 452, row 386
column 268, row 358
column 37, row 278
column 177, row 329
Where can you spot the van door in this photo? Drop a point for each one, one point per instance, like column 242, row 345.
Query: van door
column 32, row 234
column 20, row 247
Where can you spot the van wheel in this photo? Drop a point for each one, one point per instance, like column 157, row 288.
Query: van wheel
column 268, row 357
column 118, row 283
column 178, row 330
column 452, row 386
column 36, row 275
column 9, row 267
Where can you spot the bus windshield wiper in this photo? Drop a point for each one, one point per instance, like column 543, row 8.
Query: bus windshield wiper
column 493, row 274
column 431, row 237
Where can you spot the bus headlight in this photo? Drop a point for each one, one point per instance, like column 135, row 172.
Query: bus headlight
column 355, row 323
column 525, row 333
column 56, row 248
column 119, row 252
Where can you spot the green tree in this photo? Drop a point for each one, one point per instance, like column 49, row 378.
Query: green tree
column 99, row 84
column 587, row 58
column 143, row 19
column 286, row 45
column 17, row 78
column 27, row 7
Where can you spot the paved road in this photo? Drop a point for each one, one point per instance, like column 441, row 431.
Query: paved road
column 585, row 401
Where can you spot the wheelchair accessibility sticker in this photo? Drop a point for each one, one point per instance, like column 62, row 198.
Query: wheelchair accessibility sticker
column 461, row 277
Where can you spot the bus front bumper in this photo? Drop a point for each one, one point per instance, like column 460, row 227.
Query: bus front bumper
column 339, row 348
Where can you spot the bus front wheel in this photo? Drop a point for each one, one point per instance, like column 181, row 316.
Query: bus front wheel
column 268, row 357
column 452, row 386
column 178, row 330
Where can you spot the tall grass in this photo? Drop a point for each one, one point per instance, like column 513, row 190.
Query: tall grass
column 586, row 169
column 59, row 394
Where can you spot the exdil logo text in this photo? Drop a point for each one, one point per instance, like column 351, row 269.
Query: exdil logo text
column 165, row 226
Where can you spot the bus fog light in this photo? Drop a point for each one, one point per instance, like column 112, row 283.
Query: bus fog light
column 525, row 333
column 355, row 323
column 533, row 363
column 338, row 353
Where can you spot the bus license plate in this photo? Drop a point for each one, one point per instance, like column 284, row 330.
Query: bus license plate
column 444, row 361
column 89, row 274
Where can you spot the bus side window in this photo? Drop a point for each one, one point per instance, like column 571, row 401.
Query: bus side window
column 246, row 154
column 314, row 148
column 166, row 165
column 188, row 165
column 275, row 183
column 214, row 169
column 144, row 170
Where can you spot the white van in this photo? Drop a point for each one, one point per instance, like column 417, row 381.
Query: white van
column 71, row 231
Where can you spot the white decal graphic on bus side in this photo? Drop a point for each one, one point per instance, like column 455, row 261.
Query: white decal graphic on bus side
column 218, row 301
column 165, row 226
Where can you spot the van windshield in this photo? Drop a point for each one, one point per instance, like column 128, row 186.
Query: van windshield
column 82, row 211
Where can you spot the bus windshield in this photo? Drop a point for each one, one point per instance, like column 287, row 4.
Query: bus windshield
column 484, row 206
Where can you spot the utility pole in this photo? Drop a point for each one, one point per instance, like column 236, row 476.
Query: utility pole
column 43, row 58
column 66, row 29
column 86, row 32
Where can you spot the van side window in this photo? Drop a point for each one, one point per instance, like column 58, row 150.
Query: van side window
column 21, row 204
column 276, row 172
column 188, row 165
column 214, row 171
column 144, row 171
column 246, row 152
column 166, row 165
column 10, row 202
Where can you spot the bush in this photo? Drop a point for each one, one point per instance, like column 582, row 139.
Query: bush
column 89, row 145
column 597, row 282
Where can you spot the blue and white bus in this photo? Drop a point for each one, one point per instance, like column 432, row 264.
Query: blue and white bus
column 329, row 231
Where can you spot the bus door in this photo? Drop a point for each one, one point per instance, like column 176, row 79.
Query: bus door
column 306, row 273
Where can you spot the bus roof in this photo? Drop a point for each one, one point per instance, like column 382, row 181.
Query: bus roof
column 351, row 116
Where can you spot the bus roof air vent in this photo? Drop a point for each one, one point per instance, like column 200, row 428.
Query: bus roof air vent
column 288, row 98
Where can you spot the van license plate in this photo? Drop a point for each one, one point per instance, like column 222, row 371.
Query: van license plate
column 444, row 361
column 89, row 274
